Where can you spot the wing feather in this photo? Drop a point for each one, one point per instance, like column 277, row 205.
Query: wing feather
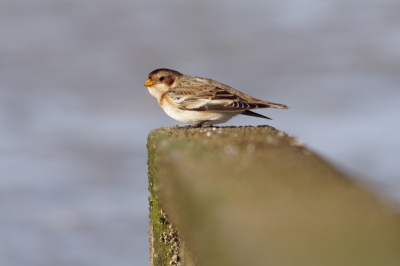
column 200, row 94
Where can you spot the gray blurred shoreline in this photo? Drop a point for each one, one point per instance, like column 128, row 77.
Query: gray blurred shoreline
column 74, row 114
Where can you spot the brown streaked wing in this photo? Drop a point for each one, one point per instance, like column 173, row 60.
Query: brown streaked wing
column 217, row 99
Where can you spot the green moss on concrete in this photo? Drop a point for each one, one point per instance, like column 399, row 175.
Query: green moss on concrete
column 166, row 247
column 163, row 237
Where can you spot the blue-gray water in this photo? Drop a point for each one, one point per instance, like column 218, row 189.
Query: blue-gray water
column 74, row 115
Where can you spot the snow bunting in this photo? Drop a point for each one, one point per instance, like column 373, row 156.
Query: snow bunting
column 201, row 101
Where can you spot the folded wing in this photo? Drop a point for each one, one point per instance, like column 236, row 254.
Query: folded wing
column 215, row 98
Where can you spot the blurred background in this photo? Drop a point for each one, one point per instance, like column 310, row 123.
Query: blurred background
column 74, row 114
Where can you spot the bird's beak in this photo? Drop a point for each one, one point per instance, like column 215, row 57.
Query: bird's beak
column 148, row 83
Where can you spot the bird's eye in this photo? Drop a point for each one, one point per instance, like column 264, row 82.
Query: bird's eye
column 162, row 78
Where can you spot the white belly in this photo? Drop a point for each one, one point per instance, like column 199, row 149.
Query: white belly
column 195, row 117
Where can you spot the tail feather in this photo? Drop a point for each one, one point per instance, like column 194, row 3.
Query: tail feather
column 250, row 113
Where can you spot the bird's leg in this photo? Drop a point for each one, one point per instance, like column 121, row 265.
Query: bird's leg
column 200, row 124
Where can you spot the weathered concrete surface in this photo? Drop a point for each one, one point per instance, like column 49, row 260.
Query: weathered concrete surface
column 255, row 196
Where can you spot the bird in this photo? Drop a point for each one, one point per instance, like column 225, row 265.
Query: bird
column 201, row 101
